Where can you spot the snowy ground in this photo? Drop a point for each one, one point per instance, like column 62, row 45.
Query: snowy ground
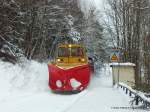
column 24, row 89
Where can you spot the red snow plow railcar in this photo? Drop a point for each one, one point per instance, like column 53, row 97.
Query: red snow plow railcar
column 70, row 70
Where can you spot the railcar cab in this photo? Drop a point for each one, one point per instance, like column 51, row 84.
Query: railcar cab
column 70, row 55
column 70, row 70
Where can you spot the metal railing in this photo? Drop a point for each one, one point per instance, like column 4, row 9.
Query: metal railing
column 138, row 96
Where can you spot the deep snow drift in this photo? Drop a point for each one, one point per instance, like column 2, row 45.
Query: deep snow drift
column 24, row 88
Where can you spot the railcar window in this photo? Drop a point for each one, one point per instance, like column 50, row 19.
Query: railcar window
column 66, row 52
column 63, row 52
column 77, row 51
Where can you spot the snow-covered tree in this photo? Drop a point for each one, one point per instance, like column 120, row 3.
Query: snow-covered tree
column 29, row 27
column 9, row 30
column 130, row 20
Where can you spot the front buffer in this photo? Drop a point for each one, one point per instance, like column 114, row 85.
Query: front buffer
column 71, row 79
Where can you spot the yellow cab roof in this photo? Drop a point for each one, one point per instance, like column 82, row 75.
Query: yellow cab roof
column 70, row 45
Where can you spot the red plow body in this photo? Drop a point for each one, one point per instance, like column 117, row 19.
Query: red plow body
column 70, row 79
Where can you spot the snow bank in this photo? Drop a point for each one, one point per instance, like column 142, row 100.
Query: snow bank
column 24, row 88
column 28, row 76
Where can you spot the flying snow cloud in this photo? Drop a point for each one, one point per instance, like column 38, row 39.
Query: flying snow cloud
column 87, row 5
column 99, row 4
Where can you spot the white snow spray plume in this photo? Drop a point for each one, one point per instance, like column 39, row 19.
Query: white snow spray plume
column 88, row 5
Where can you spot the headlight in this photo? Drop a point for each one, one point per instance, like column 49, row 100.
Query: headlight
column 70, row 45
column 82, row 59
column 59, row 60
column 58, row 83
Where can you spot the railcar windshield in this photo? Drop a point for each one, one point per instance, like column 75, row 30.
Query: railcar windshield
column 63, row 52
column 73, row 52
column 77, row 52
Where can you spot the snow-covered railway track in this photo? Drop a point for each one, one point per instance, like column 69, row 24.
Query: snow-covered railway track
column 75, row 101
